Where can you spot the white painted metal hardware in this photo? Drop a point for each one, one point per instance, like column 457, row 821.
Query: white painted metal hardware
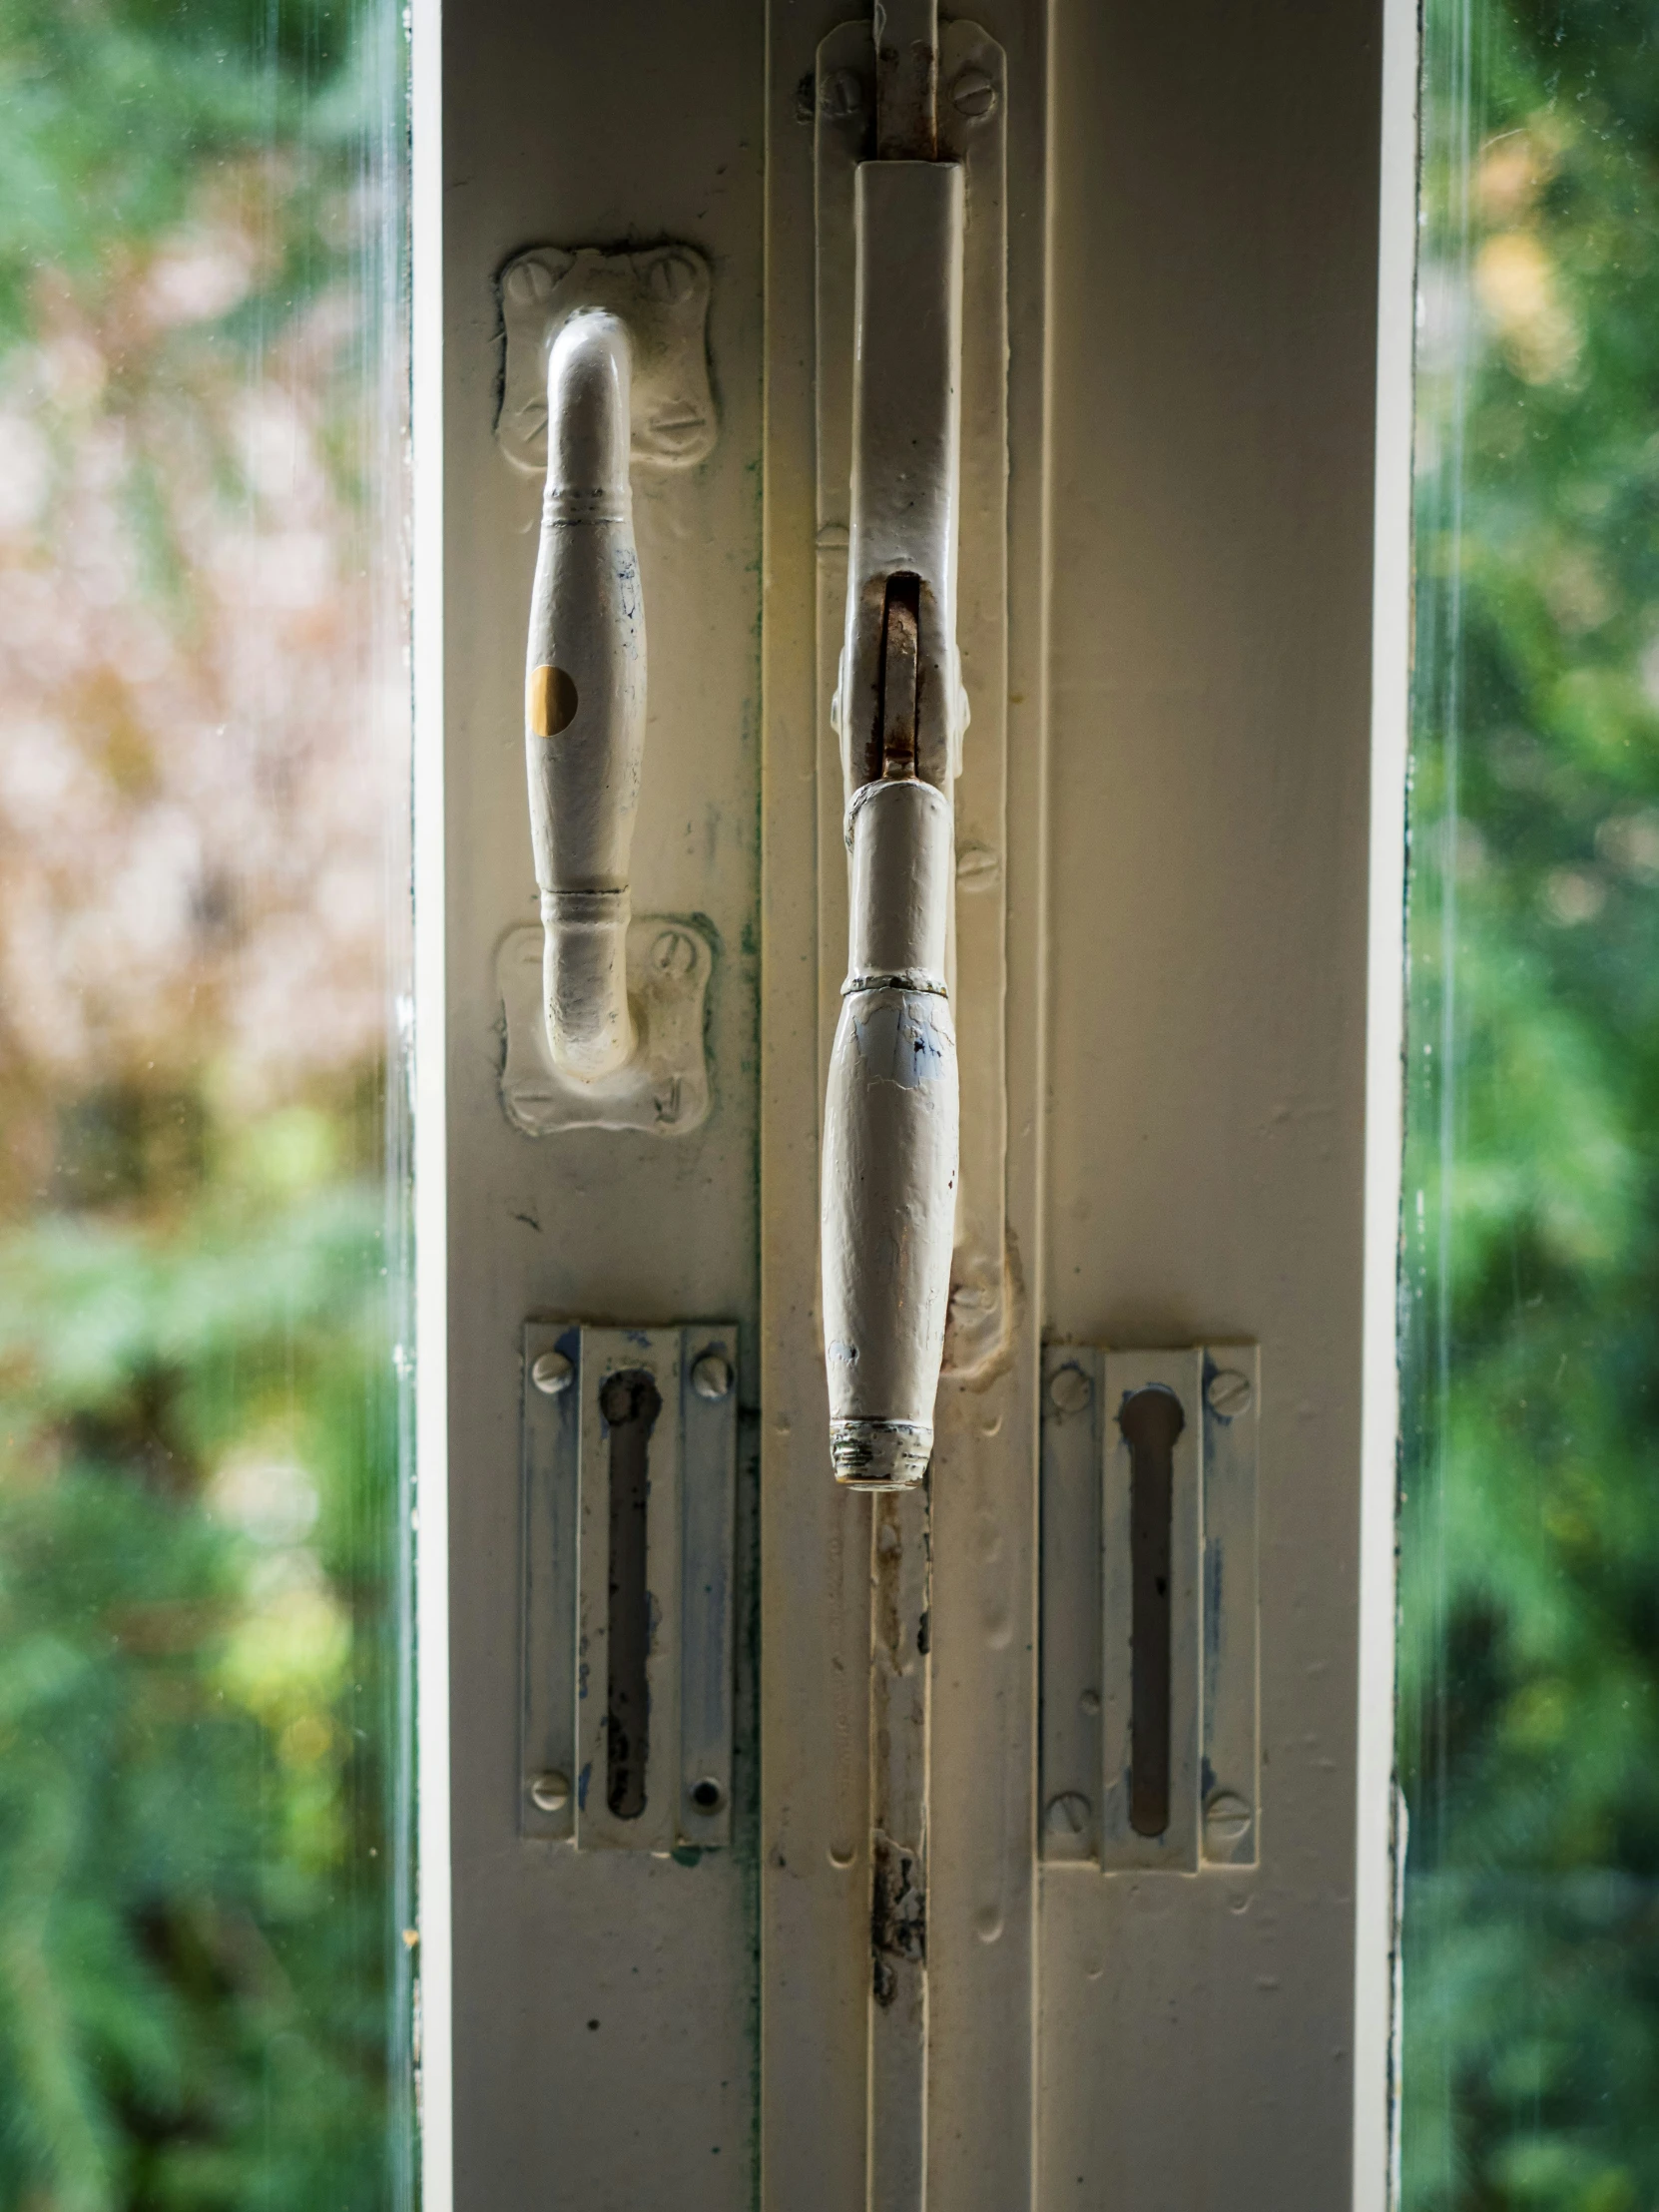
column 890, row 1119
column 662, row 297
column 629, row 1475
column 911, row 406
column 1101, row 1652
column 664, row 1089
column 970, row 133
column 620, row 1043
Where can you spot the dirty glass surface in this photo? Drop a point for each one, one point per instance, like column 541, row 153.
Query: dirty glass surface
column 1529, row 1650
column 204, row 1871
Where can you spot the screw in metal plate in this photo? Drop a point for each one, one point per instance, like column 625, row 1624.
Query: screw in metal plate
column 707, row 1795
column 669, row 277
column 551, row 1374
column 1070, row 1389
column 972, row 93
column 1228, row 1393
column 1226, row 1820
column 1067, row 1814
column 550, row 1793
column 710, row 1375
column 843, row 95
column 674, row 955
column 529, row 284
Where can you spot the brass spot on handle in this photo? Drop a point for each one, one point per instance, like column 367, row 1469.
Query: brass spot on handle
column 552, row 701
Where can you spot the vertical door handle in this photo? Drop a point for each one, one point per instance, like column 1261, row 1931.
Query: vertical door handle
column 606, row 371
column 585, row 698
column 891, row 1118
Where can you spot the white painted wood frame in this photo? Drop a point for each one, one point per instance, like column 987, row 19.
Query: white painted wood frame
column 1197, row 859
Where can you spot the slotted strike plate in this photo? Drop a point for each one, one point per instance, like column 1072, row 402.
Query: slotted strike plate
column 1149, row 1739
column 664, row 1089
column 629, row 1483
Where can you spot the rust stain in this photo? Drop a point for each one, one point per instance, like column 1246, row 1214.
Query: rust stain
column 898, row 1914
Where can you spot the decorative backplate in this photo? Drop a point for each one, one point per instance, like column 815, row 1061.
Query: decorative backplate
column 664, row 1089
column 661, row 295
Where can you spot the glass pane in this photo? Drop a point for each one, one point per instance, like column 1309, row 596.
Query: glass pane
column 204, row 1859
column 1529, row 1657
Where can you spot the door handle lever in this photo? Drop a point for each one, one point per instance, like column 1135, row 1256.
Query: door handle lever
column 889, row 1147
column 606, row 371
column 889, row 1196
column 585, row 698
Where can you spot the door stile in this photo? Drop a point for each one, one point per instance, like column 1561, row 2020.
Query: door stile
column 815, row 1542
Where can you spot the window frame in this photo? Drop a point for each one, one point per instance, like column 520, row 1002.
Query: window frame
column 811, row 2142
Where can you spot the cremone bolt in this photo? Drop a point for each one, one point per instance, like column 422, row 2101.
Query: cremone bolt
column 550, row 1793
column 711, row 1376
column 1229, row 1393
column 973, row 93
column 1070, row 1389
column 552, row 1373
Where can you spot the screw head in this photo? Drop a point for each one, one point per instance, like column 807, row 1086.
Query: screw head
column 972, row 93
column 669, row 277
column 1228, row 1394
column 674, row 955
column 1068, row 1814
column 1226, row 1819
column 1070, row 1389
column 978, row 867
column 841, row 96
column 710, row 1375
column 529, row 284
column 707, row 1795
column 552, row 1373
column 550, row 1791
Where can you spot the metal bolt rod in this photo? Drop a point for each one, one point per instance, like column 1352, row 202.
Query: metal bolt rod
column 907, row 80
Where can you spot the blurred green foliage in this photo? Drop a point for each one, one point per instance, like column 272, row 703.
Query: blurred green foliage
column 114, row 112
column 1529, row 1653
column 193, row 1700
column 204, row 1768
column 198, row 1651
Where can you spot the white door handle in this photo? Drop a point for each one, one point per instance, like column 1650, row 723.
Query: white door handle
column 891, row 1117
column 585, row 699
column 606, row 369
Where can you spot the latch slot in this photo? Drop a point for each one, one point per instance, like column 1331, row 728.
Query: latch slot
column 1150, row 1422
column 629, row 1403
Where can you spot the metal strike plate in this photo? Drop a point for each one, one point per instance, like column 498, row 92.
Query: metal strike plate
column 661, row 295
column 664, row 1089
column 629, row 1485
column 1150, row 1724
